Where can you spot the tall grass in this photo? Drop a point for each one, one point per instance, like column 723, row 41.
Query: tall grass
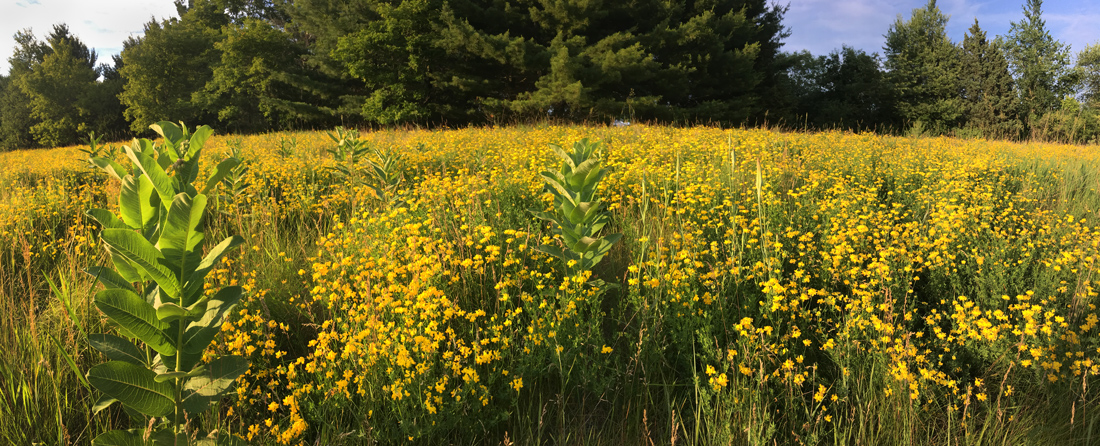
column 774, row 288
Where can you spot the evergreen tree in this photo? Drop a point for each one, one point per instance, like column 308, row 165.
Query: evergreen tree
column 320, row 25
column 922, row 66
column 471, row 60
column 1039, row 63
column 986, row 86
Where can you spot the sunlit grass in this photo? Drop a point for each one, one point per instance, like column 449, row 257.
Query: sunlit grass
column 870, row 290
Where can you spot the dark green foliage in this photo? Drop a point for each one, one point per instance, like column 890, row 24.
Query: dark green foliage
column 1088, row 66
column 846, row 89
column 169, row 64
column 104, row 107
column 55, row 96
column 15, row 108
column 922, row 66
column 426, row 61
column 1072, row 122
column 248, row 88
column 1039, row 63
column 987, row 89
column 394, row 56
column 59, row 88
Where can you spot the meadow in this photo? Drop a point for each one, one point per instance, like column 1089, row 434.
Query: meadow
column 768, row 288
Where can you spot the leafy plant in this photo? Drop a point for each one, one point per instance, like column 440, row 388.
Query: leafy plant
column 348, row 150
column 578, row 211
column 387, row 176
column 233, row 182
column 155, row 294
column 385, row 168
column 95, row 150
column 287, row 147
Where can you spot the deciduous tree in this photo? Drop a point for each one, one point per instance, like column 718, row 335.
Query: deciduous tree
column 171, row 62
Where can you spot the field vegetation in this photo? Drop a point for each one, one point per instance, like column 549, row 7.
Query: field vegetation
column 413, row 287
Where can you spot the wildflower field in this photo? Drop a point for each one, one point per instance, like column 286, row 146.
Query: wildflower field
column 768, row 288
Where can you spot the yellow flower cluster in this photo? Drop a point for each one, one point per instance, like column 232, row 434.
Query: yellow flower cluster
column 935, row 272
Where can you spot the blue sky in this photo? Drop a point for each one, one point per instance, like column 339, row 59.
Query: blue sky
column 819, row 26
column 824, row 25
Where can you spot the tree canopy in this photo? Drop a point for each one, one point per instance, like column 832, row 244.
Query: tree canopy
column 260, row 65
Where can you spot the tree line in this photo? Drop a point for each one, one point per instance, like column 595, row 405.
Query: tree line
column 1017, row 86
column 259, row 65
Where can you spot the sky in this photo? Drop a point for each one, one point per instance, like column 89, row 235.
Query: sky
column 100, row 24
column 822, row 26
column 819, row 26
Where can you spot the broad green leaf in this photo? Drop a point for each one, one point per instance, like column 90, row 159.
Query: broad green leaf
column 103, row 402
column 139, row 318
column 134, row 386
column 220, row 171
column 139, row 252
column 132, row 437
column 125, row 269
column 109, row 278
column 107, row 219
column 201, row 332
column 565, row 157
column 137, row 202
column 198, row 140
column 181, row 240
column 187, row 361
column 169, row 311
column 556, row 183
column 221, row 374
column 551, row 250
column 165, row 437
column 547, row 217
column 114, row 169
column 173, row 137
column 117, row 348
column 583, row 171
column 162, row 183
column 193, row 285
column 168, row 376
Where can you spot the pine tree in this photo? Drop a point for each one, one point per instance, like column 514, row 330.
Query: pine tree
column 922, row 66
column 986, row 86
column 464, row 61
column 591, row 59
column 1039, row 63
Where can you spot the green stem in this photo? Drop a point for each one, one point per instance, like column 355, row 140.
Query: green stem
column 178, row 381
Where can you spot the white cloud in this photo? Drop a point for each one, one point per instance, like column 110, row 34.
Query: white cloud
column 100, row 24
